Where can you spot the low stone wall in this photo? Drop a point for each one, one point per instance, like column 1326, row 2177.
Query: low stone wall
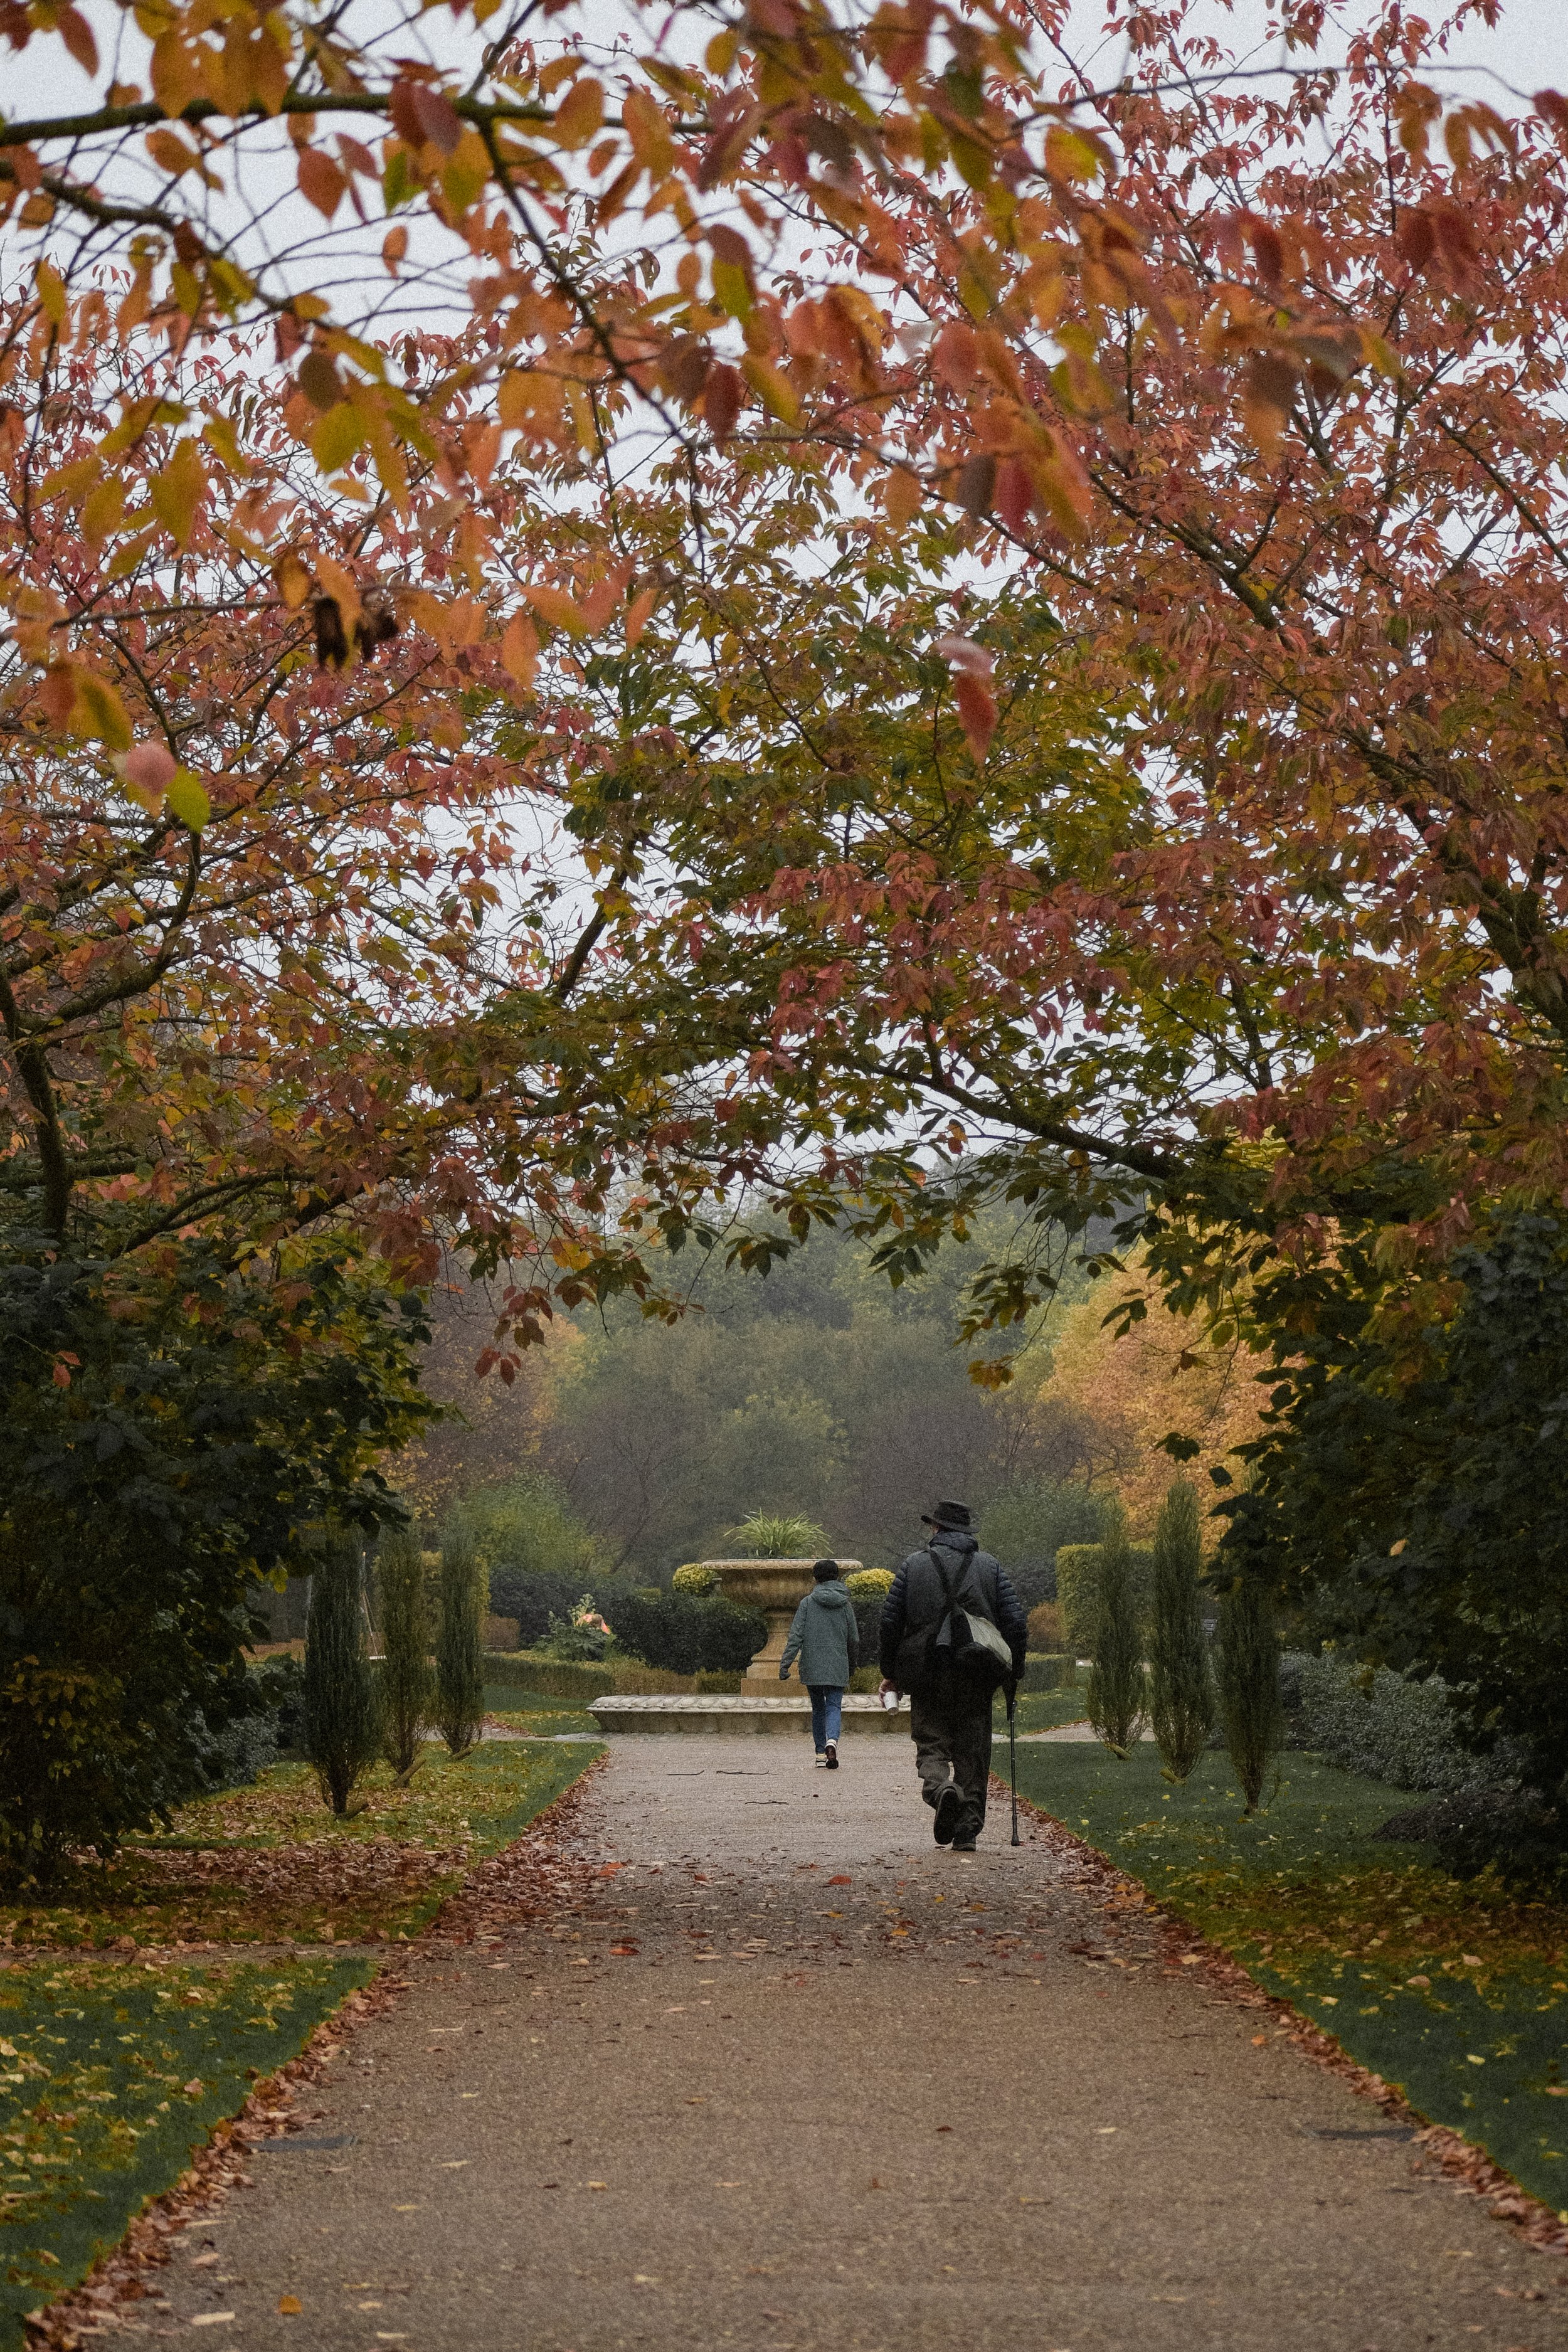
column 790, row 1716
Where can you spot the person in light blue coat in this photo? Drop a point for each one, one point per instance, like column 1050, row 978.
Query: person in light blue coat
column 825, row 1639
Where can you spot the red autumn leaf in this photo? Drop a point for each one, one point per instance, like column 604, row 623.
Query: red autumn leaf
column 683, row 369
column 57, row 693
column 421, row 114
column 977, row 483
column 721, row 396
column 321, row 182
column 977, row 711
column 437, row 118
column 77, row 34
column 1416, row 238
column 1015, row 494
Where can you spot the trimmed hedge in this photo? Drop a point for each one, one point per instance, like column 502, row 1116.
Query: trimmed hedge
column 1374, row 1722
column 1046, row 1670
column 1077, row 1570
column 565, row 1678
column 521, row 1669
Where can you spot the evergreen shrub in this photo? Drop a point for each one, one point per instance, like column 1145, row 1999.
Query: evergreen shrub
column 1247, row 1675
column 342, row 1730
column 1370, row 1721
column 407, row 1685
column 1182, row 1695
column 1077, row 1578
column 685, row 1633
column 1117, row 1684
column 459, row 1648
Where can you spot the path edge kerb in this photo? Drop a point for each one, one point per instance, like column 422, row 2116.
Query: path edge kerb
column 120, row 2275
column 1469, row 2169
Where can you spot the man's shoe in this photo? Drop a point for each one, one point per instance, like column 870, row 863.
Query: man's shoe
column 963, row 1845
column 833, row 1755
column 949, row 1805
column 820, row 1760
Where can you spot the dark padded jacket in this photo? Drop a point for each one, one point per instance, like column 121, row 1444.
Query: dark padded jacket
column 979, row 1583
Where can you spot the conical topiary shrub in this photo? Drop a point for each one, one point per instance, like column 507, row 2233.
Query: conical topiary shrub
column 460, row 1646
column 1248, row 1678
column 408, row 1684
column 341, row 1717
column 1117, row 1694
column 1181, row 1681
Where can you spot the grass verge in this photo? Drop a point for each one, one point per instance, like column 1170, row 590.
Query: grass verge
column 534, row 1713
column 271, row 1864
column 1041, row 1711
column 112, row 2077
column 1454, row 1990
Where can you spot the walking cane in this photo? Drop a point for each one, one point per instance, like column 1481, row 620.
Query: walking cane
column 1013, row 1753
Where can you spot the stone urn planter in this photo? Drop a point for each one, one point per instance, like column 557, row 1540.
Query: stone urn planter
column 776, row 1586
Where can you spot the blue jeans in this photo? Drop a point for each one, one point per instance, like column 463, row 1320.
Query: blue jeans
column 827, row 1714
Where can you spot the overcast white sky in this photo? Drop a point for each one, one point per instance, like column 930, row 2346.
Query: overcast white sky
column 1528, row 50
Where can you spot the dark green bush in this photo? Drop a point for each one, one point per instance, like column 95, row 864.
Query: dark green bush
column 342, row 1721
column 183, row 1451
column 685, row 1632
column 1181, row 1681
column 407, row 1683
column 1247, row 1675
column 459, row 1645
column 1117, row 1684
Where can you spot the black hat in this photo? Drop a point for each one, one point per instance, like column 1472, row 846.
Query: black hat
column 823, row 1569
column 947, row 1515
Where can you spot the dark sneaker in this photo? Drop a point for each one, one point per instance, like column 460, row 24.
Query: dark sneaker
column 949, row 1805
column 833, row 1755
column 964, row 1844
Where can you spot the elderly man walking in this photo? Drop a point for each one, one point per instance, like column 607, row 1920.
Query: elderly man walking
column 931, row 1648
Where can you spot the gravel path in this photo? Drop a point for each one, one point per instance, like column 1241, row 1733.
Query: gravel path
column 743, row 2061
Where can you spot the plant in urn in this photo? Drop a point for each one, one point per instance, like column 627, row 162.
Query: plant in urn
column 775, row 1578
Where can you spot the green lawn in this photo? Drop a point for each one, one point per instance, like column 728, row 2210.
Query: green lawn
column 1456, row 1991
column 112, row 2074
column 270, row 1863
column 111, row 2078
column 1041, row 1711
column 533, row 1712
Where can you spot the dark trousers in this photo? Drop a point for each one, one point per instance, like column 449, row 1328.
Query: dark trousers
column 953, row 1742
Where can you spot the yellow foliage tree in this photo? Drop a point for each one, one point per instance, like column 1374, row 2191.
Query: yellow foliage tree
column 1158, row 1376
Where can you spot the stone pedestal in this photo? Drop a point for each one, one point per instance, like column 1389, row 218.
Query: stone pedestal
column 776, row 1586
